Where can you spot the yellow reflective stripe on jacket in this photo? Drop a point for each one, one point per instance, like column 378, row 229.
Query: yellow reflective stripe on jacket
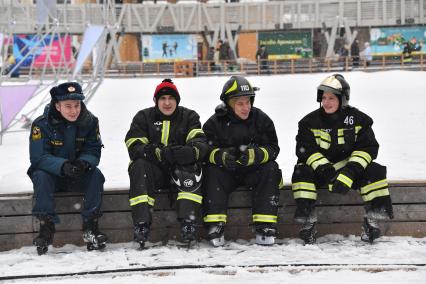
column 265, row 155
column 317, row 159
column 211, row 158
column 141, row 199
column 190, row 196
column 337, row 166
column 215, row 218
column 357, row 130
column 281, row 184
column 158, row 153
column 321, row 134
column 322, row 138
column 361, row 157
column 194, row 132
column 165, row 132
column 359, row 160
column 250, row 157
column 341, row 177
column 304, row 190
column 265, row 218
column 130, row 141
column 363, row 154
column 315, row 156
column 197, row 153
column 340, row 136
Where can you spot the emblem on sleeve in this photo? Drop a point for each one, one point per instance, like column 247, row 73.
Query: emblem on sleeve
column 36, row 133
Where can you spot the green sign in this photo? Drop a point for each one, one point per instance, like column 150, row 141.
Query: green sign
column 286, row 45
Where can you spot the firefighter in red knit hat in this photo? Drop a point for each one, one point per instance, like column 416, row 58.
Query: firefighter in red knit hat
column 166, row 146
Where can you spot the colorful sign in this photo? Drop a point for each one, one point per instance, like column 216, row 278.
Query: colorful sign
column 390, row 41
column 169, row 47
column 286, row 45
column 58, row 49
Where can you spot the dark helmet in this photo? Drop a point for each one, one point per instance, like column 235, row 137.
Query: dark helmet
column 187, row 178
column 337, row 85
column 237, row 86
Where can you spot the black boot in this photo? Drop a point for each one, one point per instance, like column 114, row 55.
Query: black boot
column 215, row 234
column 141, row 233
column 370, row 230
column 94, row 238
column 187, row 230
column 45, row 237
column 265, row 233
column 308, row 232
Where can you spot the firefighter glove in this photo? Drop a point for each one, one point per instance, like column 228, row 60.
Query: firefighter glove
column 253, row 156
column 184, row 155
column 225, row 158
column 326, row 173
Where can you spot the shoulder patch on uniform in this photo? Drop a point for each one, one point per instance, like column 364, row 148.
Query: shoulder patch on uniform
column 36, row 133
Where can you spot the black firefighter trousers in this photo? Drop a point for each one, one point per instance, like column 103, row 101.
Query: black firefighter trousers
column 263, row 181
column 372, row 185
column 146, row 179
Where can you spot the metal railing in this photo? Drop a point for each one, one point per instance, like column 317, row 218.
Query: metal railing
column 265, row 67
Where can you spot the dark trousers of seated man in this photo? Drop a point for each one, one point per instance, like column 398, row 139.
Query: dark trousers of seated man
column 46, row 184
column 146, row 178
column 263, row 181
column 372, row 186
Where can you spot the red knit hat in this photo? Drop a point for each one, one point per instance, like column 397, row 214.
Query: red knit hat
column 166, row 87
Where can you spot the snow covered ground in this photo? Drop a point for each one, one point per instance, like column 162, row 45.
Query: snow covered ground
column 334, row 259
column 395, row 99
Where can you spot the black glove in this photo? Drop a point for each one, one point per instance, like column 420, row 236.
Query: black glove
column 184, row 155
column 251, row 156
column 166, row 155
column 83, row 165
column 325, row 173
column 70, row 170
column 226, row 158
column 146, row 151
column 344, row 181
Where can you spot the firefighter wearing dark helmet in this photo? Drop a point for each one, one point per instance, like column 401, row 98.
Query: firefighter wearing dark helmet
column 336, row 147
column 165, row 142
column 244, row 147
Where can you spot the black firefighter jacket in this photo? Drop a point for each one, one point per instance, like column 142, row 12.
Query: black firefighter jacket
column 225, row 130
column 150, row 126
column 345, row 136
column 53, row 140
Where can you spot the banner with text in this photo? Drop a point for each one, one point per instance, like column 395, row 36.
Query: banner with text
column 286, row 44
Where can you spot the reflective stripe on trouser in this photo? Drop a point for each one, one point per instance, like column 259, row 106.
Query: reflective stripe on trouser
column 188, row 205
column 145, row 179
column 265, row 218
column 214, row 218
column 304, row 190
column 263, row 180
column 144, row 198
column 375, row 189
column 190, row 196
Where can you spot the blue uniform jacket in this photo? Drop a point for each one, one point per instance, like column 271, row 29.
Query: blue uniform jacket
column 53, row 140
